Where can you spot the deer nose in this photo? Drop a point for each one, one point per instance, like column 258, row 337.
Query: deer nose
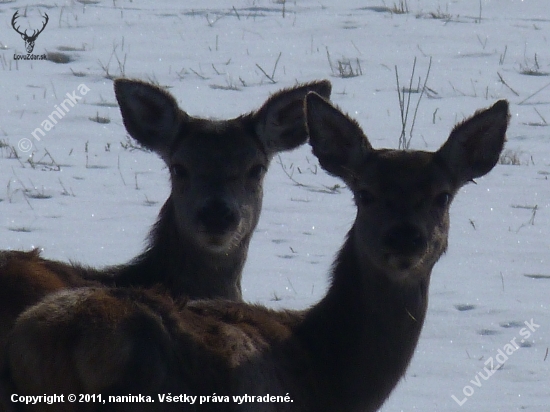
column 217, row 217
column 405, row 238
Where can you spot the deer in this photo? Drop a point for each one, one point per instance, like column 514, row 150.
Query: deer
column 347, row 352
column 199, row 244
column 29, row 40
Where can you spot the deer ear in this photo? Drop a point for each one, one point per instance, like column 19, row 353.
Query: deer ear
column 336, row 139
column 150, row 115
column 474, row 146
column 280, row 123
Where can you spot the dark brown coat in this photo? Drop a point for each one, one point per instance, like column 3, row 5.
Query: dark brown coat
column 346, row 353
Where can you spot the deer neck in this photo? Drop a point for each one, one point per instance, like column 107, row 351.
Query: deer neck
column 181, row 267
column 362, row 335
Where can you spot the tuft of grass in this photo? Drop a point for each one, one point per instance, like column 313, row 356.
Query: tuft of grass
column 230, row 84
column 487, row 332
column 59, row 57
column 36, row 194
column 511, row 324
column 401, row 7
column 100, row 119
column 72, row 49
column 514, row 157
column 46, row 162
column 536, row 276
column 440, row 14
column 65, row 192
column 345, row 67
column 78, row 74
column 20, row 229
column 104, row 103
column 28, row 193
column 121, row 61
column 148, row 202
column 5, row 148
column 276, row 298
column 464, row 307
column 532, row 68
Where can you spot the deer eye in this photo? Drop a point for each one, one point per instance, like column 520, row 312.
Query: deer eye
column 256, row 171
column 365, row 197
column 179, row 171
column 442, row 200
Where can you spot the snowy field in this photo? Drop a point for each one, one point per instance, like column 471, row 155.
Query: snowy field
column 84, row 193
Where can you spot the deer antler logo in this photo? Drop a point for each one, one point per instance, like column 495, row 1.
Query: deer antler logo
column 29, row 40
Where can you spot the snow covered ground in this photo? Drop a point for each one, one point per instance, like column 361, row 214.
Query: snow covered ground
column 83, row 193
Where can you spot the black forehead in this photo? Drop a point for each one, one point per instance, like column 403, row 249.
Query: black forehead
column 403, row 170
column 217, row 141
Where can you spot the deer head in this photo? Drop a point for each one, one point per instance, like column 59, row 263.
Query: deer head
column 403, row 196
column 29, row 40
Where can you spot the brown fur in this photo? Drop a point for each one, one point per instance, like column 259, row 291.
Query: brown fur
column 346, row 353
column 199, row 244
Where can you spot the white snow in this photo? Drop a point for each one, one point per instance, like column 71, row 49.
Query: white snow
column 98, row 207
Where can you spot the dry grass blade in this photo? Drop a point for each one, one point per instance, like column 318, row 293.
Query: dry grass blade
column 404, row 106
